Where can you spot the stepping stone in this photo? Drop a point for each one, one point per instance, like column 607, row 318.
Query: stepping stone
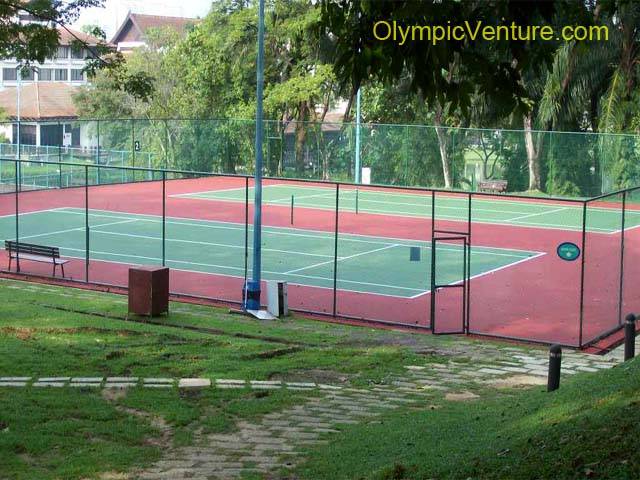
column 54, row 379
column 86, row 380
column 122, row 379
column 13, row 384
column 49, row 384
column 231, row 384
column 85, row 385
column 15, row 379
column 300, row 386
column 492, row 371
column 194, row 383
column 323, row 386
column 120, row 385
column 158, row 385
column 158, row 380
column 266, row 384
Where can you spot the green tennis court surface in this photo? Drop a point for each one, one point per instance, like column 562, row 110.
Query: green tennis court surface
column 509, row 211
column 370, row 264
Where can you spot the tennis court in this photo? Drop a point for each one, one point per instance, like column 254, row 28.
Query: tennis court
column 519, row 213
column 366, row 264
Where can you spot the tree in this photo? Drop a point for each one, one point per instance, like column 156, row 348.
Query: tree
column 457, row 70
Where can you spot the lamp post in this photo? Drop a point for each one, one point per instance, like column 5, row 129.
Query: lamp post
column 252, row 293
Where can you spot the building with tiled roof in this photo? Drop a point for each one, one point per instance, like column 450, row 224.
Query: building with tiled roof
column 132, row 32
column 45, row 92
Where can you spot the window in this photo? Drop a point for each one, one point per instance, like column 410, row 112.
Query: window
column 62, row 52
column 45, row 75
column 62, row 74
column 77, row 75
column 9, row 74
column 27, row 74
column 77, row 52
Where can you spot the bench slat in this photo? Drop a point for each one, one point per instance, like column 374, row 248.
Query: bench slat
column 39, row 258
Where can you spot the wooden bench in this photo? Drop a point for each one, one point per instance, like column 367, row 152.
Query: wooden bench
column 493, row 186
column 36, row 253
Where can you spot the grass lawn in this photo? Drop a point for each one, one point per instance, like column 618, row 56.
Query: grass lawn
column 587, row 429
column 73, row 434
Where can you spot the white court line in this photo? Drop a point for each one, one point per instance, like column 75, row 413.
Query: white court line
column 449, row 196
column 197, row 242
column 236, row 189
column 225, row 267
column 313, row 234
column 487, row 273
column 280, row 200
column 58, row 209
column 369, row 211
column 242, row 268
column 341, row 259
column 561, row 209
column 77, row 229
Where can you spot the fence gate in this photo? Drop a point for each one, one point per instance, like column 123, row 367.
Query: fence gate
column 450, row 255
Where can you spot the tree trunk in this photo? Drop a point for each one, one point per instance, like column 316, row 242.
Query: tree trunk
column 442, row 143
column 301, row 136
column 533, row 160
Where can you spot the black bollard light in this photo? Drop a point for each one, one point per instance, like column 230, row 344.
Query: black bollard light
column 630, row 337
column 555, row 362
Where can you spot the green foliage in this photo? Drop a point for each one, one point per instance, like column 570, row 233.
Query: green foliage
column 527, row 435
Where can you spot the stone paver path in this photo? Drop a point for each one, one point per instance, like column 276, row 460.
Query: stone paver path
column 274, row 443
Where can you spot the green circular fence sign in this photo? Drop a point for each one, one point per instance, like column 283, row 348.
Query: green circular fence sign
column 568, row 251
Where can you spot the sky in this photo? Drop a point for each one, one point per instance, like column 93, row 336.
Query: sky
column 114, row 12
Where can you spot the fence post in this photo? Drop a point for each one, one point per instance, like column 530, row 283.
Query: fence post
column 246, row 237
column 164, row 216
column 60, row 155
column 133, row 147
column 17, row 216
column 555, row 363
column 630, row 337
column 86, row 222
column 98, row 150
column 582, row 265
column 621, row 283
column 335, row 253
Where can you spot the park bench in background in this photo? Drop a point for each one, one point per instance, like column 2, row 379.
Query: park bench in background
column 35, row 253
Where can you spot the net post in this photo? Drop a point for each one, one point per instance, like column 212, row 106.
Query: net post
column 292, row 203
column 335, row 253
